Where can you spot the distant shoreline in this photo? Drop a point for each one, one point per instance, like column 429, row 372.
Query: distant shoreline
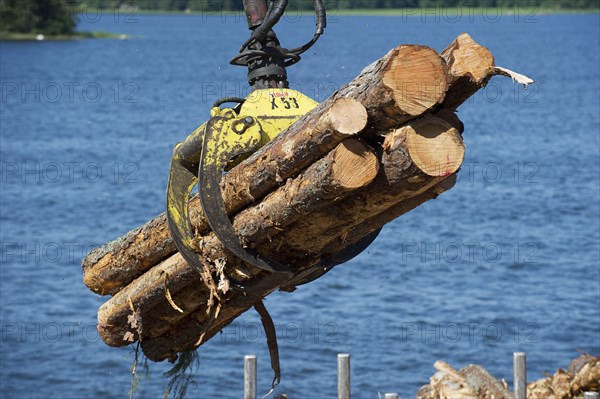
column 430, row 12
column 455, row 11
column 15, row 36
column 490, row 12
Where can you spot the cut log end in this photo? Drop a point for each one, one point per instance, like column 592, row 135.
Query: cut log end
column 466, row 57
column 470, row 67
column 355, row 164
column 434, row 146
column 348, row 116
column 417, row 78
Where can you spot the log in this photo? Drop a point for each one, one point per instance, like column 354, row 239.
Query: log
column 349, row 167
column 107, row 269
column 399, row 178
column 116, row 264
column 406, row 82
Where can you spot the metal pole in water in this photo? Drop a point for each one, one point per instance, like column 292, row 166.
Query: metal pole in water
column 520, row 375
column 343, row 376
column 590, row 395
column 250, row 377
column 392, row 396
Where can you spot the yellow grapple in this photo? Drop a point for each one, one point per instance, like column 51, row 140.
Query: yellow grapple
column 231, row 135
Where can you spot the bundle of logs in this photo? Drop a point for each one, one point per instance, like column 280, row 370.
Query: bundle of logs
column 474, row 382
column 377, row 148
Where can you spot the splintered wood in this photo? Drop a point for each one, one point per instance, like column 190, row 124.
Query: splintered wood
column 380, row 146
column 474, row 382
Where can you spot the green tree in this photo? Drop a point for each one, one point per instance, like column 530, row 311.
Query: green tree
column 49, row 17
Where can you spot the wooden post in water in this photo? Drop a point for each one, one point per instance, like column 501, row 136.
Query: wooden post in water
column 520, row 375
column 250, row 377
column 343, row 376
column 392, row 396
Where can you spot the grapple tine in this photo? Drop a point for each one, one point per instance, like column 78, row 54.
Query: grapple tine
column 217, row 151
column 180, row 185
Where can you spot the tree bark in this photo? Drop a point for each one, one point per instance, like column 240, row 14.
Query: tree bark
column 108, row 269
column 354, row 233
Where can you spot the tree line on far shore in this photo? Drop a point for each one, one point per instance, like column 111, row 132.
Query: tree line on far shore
column 50, row 17
column 59, row 17
column 212, row 5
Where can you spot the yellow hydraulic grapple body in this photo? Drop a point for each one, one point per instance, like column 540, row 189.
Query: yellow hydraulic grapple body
column 231, row 135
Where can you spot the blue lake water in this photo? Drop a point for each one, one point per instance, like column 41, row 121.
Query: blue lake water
column 509, row 260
